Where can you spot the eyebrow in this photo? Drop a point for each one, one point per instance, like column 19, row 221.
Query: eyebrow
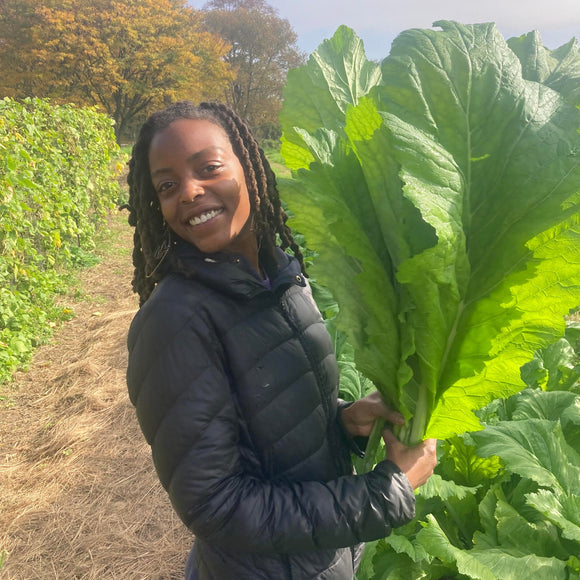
column 190, row 159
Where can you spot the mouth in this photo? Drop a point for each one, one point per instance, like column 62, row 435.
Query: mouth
column 205, row 216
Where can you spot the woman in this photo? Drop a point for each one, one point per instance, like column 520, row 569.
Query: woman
column 233, row 374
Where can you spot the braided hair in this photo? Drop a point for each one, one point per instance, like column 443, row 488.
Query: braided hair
column 269, row 218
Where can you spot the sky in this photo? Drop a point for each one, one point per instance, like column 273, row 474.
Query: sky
column 378, row 22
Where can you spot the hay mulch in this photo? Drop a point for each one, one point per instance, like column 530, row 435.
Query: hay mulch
column 78, row 494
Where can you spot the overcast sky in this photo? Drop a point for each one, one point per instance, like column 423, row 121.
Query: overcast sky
column 378, row 22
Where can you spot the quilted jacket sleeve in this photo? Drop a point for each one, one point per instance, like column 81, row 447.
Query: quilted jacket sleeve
column 185, row 409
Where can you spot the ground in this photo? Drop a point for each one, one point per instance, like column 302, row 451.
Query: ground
column 79, row 498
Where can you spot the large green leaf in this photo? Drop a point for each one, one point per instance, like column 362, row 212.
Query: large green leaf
column 445, row 490
column 555, row 406
column 563, row 511
column 553, row 368
column 490, row 563
column 338, row 75
column 402, row 545
column 328, row 201
column 461, row 463
column 460, row 180
column 503, row 330
column 559, row 69
column 480, row 151
column 534, row 449
column 397, row 566
column 520, row 536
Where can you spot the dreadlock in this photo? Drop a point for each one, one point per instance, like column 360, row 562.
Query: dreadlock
column 145, row 211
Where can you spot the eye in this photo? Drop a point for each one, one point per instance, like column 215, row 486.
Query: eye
column 212, row 168
column 164, row 187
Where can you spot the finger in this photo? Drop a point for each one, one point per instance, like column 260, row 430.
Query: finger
column 392, row 416
column 431, row 447
column 385, row 411
column 389, row 438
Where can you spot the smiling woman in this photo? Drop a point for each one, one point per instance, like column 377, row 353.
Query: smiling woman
column 232, row 370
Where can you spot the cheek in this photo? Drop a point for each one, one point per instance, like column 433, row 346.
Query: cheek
column 244, row 212
column 236, row 191
column 167, row 210
column 245, row 205
column 164, row 209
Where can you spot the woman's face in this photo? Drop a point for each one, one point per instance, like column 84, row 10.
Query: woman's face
column 201, row 187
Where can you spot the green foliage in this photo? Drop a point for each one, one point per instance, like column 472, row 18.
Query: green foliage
column 272, row 151
column 441, row 191
column 57, row 167
column 556, row 367
column 504, row 501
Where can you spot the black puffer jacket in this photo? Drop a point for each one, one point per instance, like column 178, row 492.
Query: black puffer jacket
column 235, row 386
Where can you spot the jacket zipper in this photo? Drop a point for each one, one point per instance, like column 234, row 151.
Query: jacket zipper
column 313, row 366
column 333, row 439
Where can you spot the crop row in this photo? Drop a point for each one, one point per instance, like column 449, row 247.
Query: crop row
column 57, row 181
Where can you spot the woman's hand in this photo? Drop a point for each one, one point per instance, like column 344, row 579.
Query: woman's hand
column 416, row 462
column 358, row 419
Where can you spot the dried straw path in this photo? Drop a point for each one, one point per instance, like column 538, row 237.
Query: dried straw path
column 78, row 494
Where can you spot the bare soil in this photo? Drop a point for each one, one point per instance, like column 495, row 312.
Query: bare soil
column 79, row 497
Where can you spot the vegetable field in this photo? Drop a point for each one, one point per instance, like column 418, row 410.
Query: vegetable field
column 57, row 168
column 79, row 498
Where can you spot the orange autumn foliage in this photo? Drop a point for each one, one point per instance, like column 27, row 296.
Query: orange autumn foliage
column 127, row 57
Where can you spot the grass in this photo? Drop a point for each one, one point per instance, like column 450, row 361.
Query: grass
column 277, row 162
column 71, row 446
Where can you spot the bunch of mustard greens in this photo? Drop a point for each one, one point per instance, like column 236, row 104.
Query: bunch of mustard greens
column 441, row 192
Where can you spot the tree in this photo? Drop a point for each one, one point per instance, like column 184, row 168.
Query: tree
column 262, row 50
column 127, row 57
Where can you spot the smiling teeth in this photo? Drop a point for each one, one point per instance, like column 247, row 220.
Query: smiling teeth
column 200, row 219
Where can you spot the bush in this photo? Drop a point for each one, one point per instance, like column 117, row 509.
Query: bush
column 57, row 182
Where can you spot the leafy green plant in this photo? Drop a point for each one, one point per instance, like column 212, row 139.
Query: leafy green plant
column 504, row 503
column 441, row 192
column 556, row 367
column 57, row 167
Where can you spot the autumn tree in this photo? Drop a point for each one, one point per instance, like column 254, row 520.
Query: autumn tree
column 127, row 57
column 262, row 50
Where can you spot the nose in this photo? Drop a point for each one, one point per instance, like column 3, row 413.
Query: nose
column 191, row 188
